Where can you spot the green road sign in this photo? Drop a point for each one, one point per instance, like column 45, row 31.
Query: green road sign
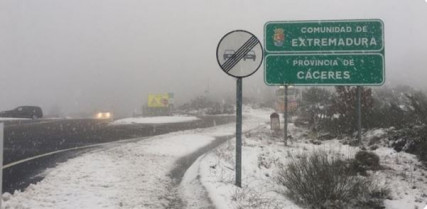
column 324, row 52
column 324, row 36
column 324, row 69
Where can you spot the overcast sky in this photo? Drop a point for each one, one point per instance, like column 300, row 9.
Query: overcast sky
column 84, row 55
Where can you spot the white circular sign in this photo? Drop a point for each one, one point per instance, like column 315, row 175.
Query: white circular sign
column 239, row 53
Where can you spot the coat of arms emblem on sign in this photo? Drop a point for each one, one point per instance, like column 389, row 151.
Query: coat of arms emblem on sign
column 279, row 36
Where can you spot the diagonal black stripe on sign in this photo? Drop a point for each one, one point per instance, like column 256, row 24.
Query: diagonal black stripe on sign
column 232, row 60
column 240, row 53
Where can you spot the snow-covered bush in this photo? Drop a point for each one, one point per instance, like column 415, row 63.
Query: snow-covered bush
column 335, row 113
column 391, row 108
column 397, row 107
column 419, row 107
column 369, row 160
column 204, row 105
column 365, row 161
column 322, row 181
column 412, row 140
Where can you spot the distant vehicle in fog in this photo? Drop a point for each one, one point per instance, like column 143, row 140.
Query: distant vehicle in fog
column 33, row 112
column 103, row 115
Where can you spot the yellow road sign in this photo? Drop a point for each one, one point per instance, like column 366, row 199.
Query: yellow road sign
column 158, row 100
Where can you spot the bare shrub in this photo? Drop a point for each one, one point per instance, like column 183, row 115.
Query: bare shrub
column 412, row 140
column 365, row 160
column 320, row 181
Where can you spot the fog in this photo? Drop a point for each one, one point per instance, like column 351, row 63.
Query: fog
column 88, row 55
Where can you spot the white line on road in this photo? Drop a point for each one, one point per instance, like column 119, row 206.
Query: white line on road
column 65, row 150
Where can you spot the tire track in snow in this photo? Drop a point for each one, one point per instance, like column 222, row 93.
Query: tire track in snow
column 182, row 165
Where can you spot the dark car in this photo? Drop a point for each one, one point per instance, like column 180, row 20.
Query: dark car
column 33, row 112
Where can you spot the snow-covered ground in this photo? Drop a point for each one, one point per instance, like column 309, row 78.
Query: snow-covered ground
column 131, row 175
column 138, row 174
column 262, row 154
column 406, row 177
column 154, row 120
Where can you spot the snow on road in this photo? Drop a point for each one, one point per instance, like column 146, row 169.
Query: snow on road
column 12, row 119
column 132, row 175
column 154, row 120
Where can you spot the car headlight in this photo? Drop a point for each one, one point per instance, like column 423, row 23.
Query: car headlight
column 99, row 115
column 107, row 115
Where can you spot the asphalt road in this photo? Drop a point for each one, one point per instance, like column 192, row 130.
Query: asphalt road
column 29, row 139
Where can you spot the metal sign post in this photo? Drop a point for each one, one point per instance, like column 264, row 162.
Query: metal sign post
column 239, row 54
column 239, row 132
column 359, row 116
column 1, row 158
column 285, row 116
